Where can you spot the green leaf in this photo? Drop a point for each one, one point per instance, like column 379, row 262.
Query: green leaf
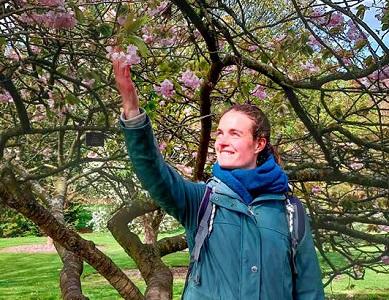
column 79, row 14
column 361, row 9
column 138, row 42
column 71, row 99
column 105, row 30
column 264, row 58
column 131, row 25
column 3, row 41
column 385, row 21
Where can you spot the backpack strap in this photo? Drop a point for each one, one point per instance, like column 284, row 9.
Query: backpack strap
column 204, row 224
column 296, row 222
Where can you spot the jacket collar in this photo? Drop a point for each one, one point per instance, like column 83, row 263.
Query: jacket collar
column 219, row 187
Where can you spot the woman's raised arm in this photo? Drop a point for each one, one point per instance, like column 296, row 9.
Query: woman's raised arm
column 126, row 87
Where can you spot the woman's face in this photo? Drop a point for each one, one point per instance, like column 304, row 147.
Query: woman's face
column 235, row 146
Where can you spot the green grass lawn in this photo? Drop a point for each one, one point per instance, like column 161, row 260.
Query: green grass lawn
column 35, row 276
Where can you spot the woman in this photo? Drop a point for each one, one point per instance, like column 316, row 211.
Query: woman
column 247, row 255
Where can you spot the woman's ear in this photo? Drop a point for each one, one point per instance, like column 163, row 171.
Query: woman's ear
column 260, row 145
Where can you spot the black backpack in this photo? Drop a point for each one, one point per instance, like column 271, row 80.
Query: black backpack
column 295, row 217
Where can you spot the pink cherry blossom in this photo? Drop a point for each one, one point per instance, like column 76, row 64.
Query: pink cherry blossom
column 47, row 152
column 319, row 16
column 380, row 74
column 38, row 116
column 166, row 89
column 129, row 58
column 65, row 21
column 88, row 82
column 316, row 189
column 253, row 48
column 6, row 97
column 313, row 42
column 167, row 42
column 259, row 91
column 356, row 166
column 148, row 38
column 12, row 54
column 190, row 80
column 50, row 101
column 230, row 69
column 383, row 228
column 52, row 3
column 309, row 66
column 346, row 60
column 51, row 19
column 92, row 154
column 385, row 259
column 353, row 33
column 121, row 20
column 160, row 9
column 162, row 146
column 35, row 49
column 336, row 19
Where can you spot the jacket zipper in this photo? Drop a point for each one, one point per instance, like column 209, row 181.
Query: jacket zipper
column 251, row 213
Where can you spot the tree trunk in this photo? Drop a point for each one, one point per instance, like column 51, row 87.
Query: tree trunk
column 19, row 197
column 151, row 223
column 157, row 275
column 71, row 272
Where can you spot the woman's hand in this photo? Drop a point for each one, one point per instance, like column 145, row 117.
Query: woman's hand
column 126, row 87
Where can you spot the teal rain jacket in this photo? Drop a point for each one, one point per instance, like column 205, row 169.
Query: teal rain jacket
column 247, row 255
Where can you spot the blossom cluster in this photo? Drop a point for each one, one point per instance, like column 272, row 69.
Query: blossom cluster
column 166, row 89
column 51, row 3
column 163, row 36
column 377, row 79
column 57, row 16
column 5, row 97
column 190, row 80
column 51, row 19
column 259, row 91
column 159, row 9
column 330, row 20
column 130, row 57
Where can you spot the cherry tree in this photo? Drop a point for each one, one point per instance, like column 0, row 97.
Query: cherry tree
column 318, row 68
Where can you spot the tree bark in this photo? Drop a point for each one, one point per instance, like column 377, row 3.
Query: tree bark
column 151, row 223
column 72, row 269
column 156, row 274
column 19, row 197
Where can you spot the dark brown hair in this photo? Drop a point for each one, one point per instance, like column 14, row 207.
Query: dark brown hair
column 261, row 129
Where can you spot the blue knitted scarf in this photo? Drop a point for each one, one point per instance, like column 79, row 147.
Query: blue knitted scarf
column 268, row 178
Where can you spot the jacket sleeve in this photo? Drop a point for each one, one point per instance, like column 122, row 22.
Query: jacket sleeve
column 177, row 196
column 307, row 283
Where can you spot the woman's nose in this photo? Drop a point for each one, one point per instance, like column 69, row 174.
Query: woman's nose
column 222, row 140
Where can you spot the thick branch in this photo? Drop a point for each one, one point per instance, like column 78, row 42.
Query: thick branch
column 19, row 197
column 373, row 238
column 8, row 85
column 206, row 123
column 299, row 110
column 205, row 30
column 172, row 244
column 157, row 275
column 328, row 175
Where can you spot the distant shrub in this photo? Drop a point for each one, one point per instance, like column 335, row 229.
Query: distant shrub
column 13, row 224
column 78, row 216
